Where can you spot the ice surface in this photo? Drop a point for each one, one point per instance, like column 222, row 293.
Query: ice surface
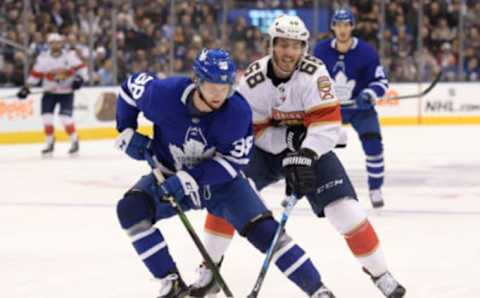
column 59, row 236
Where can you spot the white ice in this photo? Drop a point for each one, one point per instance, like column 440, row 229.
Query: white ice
column 59, row 235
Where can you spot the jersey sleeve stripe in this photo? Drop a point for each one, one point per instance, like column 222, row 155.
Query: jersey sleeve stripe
column 240, row 161
column 379, row 84
column 325, row 114
column 259, row 127
column 228, row 167
column 79, row 66
column 127, row 98
column 37, row 74
column 371, row 92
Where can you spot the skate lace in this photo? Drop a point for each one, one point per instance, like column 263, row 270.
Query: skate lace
column 386, row 283
column 204, row 276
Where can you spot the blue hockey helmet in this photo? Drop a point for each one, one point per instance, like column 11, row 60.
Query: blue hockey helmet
column 342, row 15
column 215, row 66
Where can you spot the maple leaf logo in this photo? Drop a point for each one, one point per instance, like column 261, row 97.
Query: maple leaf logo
column 193, row 150
column 343, row 86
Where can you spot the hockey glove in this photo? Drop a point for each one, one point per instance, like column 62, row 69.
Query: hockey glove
column 364, row 101
column 23, row 92
column 181, row 186
column 77, row 82
column 295, row 136
column 133, row 143
column 299, row 171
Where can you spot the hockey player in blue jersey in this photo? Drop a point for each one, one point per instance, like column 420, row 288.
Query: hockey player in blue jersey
column 355, row 67
column 202, row 138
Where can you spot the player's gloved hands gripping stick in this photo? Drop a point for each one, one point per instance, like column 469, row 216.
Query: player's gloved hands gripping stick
column 364, row 101
column 299, row 172
column 23, row 92
column 181, row 185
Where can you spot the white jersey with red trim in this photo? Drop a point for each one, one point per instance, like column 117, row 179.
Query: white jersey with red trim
column 307, row 97
column 57, row 72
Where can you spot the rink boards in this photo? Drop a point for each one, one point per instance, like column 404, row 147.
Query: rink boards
column 20, row 121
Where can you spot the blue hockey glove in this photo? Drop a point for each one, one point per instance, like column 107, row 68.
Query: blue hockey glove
column 364, row 101
column 133, row 143
column 182, row 186
column 23, row 92
column 77, row 82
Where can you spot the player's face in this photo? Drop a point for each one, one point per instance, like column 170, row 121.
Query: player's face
column 287, row 53
column 55, row 46
column 343, row 31
column 215, row 94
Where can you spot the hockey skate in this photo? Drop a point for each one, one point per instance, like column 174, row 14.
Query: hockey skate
column 172, row 286
column 389, row 286
column 323, row 292
column 74, row 148
column 48, row 151
column 376, row 197
column 205, row 286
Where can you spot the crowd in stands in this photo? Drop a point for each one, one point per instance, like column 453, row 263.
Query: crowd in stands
column 151, row 38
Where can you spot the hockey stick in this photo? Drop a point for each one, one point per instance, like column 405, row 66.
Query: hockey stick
column 290, row 203
column 153, row 162
column 410, row 96
column 12, row 96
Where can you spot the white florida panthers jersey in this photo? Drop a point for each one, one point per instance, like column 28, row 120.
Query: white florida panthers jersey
column 307, row 97
column 57, row 72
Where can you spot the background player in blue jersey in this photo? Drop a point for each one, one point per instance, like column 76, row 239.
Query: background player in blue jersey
column 355, row 68
column 203, row 138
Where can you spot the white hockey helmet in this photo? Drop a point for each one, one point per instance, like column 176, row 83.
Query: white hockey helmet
column 291, row 27
column 54, row 37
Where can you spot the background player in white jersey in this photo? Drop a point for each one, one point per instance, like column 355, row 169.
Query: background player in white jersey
column 358, row 75
column 288, row 91
column 61, row 73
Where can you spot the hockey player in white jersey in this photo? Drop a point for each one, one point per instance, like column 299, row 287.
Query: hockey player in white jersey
column 61, row 73
column 297, row 124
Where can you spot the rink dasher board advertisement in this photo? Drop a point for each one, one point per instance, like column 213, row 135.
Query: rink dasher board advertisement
column 94, row 111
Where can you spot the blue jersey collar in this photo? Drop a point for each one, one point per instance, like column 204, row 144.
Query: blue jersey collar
column 186, row 93
column 333, row 43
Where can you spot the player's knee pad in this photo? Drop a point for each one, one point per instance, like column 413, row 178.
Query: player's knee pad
column 136, row 206
column 372, row 143
column 345, row 214
column 260, row 231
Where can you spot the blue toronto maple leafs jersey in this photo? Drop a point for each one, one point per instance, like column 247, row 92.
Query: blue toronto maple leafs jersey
column 355, row 71
column 212, row 148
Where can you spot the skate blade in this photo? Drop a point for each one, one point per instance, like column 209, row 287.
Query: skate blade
column 47, row 155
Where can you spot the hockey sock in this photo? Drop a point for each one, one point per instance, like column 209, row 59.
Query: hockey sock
column 49, row 130
column 48, row 127
column 373, row 148
column 290, row 258
column 348, row 217
column 218, row 235
column 70, row 130
column 135, row 215
column 69, row 127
